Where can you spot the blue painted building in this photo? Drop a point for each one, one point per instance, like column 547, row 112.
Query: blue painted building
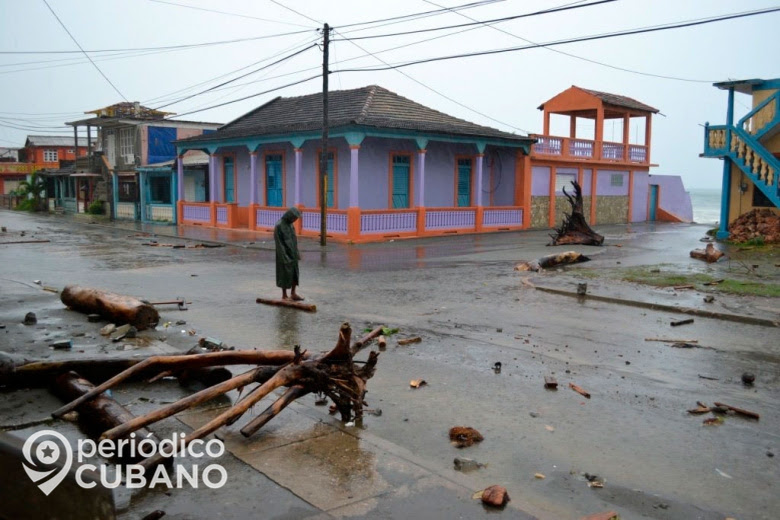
column 750, row 150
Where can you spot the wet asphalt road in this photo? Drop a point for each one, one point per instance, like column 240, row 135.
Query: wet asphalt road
column 472, row 310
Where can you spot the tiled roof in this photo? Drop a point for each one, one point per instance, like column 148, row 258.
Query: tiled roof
column 620, row 101
column 54, row 140
column 371, row 106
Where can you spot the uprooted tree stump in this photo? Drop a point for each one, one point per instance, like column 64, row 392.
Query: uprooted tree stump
column 116, row 308
column 574, row 229
column 334, row 374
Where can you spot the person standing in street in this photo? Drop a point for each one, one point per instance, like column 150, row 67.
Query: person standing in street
column 287, row 255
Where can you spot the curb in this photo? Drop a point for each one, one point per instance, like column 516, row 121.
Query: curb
column 668, row 308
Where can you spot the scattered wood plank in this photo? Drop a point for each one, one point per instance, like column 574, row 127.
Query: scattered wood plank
column 308, row 307
column 550, row 382
column 115, row 308
column 714, row 282
column 680, row 287
column 708, row 377
column 681, row 322
column 700, row 410
column 579, row 390
column 409, row 341
column 6, row 242
column 664, row 340
column 417, row 383
column 741, row 411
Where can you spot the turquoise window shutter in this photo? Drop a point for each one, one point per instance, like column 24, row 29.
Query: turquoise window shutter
column 464, row 183
column 230, row 189
column 401, row 168
column 273, row 181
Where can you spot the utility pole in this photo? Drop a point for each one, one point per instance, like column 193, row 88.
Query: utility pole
column 324, row 154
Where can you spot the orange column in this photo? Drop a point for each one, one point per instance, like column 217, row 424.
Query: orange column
column 599, row 133
column 353, row 223
column 648, row 131
column 546, row 123
column 180, row 212
column 525, row 182
column 573, row 127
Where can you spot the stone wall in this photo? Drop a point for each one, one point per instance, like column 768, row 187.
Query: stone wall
column 612, row 209
column 586, row 208
column 540, row 212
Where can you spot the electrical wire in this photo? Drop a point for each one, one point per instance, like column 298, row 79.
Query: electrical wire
column 416, row 16
column 495, row 20
column 167, row 47
column 439, row 93
column 227, row 13
column 296, row 12
column 82, row 50
column 289, row 56
column 615, row 67
column 250, row 96
column 628, row 32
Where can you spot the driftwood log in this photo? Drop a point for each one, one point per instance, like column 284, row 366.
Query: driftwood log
column 546, row 262
column 708, row 254
column 574, row 229
column 19, row 372
column 334, row 374
column 116, row 308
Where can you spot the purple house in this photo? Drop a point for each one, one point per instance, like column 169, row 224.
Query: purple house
column 395, row 168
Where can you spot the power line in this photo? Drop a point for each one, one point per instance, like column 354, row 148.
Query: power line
column 296, row 12
column 289, row 56
column 227, row 13
column 576, row 56
column 437, row 92
column 629, row 32
column 82, row 50
column 495, row 20
column 424, row 14
column 166, row 47
column 169, row 94
column 250, row 96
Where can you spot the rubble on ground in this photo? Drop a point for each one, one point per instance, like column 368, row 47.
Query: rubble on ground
column 760, row 224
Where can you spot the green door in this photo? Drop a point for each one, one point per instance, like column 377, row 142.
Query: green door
column 330, row 179
column 401, row 169
column 273, row 180
column 230, row 181
column 464, row 183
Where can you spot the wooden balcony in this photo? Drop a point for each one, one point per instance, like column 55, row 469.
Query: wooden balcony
column 571, row 149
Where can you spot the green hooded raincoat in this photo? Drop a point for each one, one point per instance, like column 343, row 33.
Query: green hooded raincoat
column 287, row 255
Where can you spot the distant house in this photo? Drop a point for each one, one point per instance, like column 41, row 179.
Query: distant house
column 130, row 137
column 397, row 168
column 750, row 150
column 39, row 152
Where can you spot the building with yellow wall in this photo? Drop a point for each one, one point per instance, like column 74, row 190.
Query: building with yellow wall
column 750, row 150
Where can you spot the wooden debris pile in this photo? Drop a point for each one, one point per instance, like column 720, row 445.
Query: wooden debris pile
column 333, row 374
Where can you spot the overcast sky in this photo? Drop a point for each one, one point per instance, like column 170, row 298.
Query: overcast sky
column 39, row 92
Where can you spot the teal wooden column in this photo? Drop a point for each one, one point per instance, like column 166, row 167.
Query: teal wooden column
column 142, row 194
column 725, row 194
column 115, row 194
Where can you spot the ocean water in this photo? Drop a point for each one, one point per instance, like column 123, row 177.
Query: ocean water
column 706, row 205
